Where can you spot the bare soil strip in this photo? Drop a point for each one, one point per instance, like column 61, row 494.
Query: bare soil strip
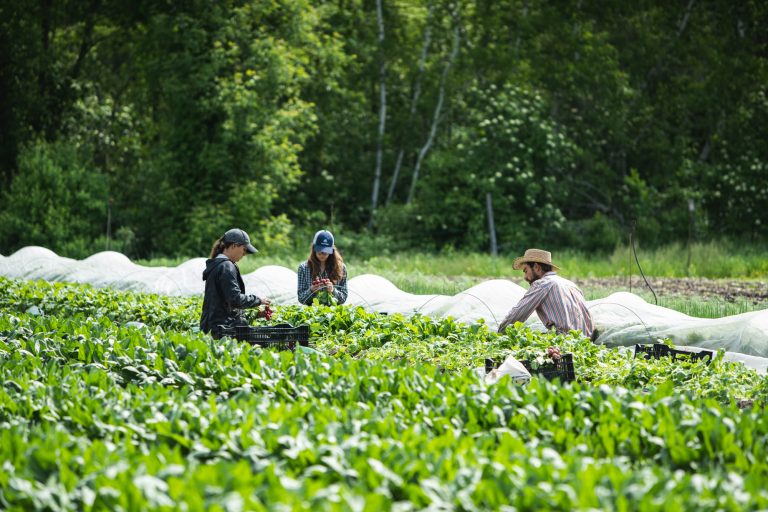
column 728, row 290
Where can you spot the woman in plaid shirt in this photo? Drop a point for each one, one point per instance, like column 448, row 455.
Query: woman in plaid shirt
column 324, row 274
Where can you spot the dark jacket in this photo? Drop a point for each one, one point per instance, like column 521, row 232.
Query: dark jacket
column 225, row 296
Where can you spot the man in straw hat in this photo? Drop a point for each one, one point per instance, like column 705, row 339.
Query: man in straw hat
column 558, row 302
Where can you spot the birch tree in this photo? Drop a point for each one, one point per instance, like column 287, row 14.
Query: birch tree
column 439, row 106
column 414, row 98
column 382, row 112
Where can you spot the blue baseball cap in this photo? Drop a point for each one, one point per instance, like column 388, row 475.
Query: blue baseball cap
column 323, row 241
column 239, row 237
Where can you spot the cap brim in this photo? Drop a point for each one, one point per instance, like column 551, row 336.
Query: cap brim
column 251, row 249
column 326, row 250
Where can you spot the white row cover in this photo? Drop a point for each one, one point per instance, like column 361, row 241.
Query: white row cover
column 622, row 319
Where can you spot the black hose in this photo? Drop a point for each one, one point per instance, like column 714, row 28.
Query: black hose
column 634, row 251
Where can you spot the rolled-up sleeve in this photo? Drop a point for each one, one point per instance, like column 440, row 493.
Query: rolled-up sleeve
column 526, row 306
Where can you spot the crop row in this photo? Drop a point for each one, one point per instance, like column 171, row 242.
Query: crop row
column 354, row 332
column 98, row 415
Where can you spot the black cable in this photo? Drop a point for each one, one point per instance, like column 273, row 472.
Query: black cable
column 634, row 251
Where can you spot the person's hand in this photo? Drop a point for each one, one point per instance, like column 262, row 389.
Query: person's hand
column 266, row 301
column 319, row 284
column 265, row 312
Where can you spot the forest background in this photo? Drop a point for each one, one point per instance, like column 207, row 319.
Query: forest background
column 150, row 127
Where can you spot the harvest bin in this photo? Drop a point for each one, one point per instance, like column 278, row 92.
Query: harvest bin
column 561, row 369
column 659, row 350
column 281, row 337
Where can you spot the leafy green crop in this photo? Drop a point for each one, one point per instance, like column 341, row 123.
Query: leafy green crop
column 99, row 415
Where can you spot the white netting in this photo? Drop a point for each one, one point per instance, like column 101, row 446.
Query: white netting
column 622, row 319
column 625, row 319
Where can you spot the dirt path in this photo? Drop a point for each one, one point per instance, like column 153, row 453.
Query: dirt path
column 729, row 290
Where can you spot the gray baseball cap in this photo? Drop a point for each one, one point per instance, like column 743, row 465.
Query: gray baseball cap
column 239, row 237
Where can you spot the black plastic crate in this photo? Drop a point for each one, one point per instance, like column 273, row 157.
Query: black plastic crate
column 561, row 369
column 659, row 350
column 280, row 337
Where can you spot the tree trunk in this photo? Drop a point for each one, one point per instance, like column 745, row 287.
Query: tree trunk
column 382, row 113
column 414, row 99
column 491, row 224
column 438, row 108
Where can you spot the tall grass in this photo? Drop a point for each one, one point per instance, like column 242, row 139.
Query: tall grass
column 710, row 308
column 711, row 260
column 692, row 305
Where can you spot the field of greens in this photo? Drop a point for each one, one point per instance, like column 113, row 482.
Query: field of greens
column 99, row 413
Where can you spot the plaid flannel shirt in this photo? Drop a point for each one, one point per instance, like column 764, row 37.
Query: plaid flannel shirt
column 304, row 289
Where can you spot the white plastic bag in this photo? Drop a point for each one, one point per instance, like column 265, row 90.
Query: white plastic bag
column 511, row 367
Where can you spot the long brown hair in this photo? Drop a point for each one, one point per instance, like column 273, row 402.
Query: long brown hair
column 334, row 265
column 218, row 247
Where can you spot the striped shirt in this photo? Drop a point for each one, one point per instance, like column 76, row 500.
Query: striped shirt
column 558, row 302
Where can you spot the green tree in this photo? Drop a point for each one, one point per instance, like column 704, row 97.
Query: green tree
column 506, row 146
column 55, row 200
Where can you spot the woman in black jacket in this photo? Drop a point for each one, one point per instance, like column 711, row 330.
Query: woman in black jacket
column 225, row 297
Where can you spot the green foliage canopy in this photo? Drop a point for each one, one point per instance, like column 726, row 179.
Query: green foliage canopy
column 194, row 117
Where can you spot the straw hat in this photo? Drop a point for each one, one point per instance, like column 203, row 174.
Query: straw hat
column 534, row 256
